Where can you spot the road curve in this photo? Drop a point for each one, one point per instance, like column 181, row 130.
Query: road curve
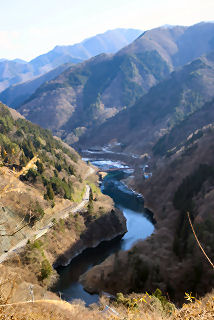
column 39, row 233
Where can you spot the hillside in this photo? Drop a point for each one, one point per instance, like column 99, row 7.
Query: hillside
column 133, row 306
column 46, row 176
column 82, row 95
column 87, row 95
column 163, row 107
column 173, row 44
column 16, row 71
column 170, row 259
column 94, row 91
column 109, row 42
column 12, row 72
column 17, row 94
column 50, row 205
column 186, row 131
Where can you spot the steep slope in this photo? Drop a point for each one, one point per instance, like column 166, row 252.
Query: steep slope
column 107, row 84
column 165, row 105
column 16, row 94
column 173, row 44
column 109, row 42
column 12, row 72
column 170, row 259
column 44, row 169
column 51, row 208
column 93, row 91
column 42, row 179
column 189, row 129
column 16, row 71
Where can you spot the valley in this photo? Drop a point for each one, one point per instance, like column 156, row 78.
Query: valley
column 107, row 177
column 139, row 226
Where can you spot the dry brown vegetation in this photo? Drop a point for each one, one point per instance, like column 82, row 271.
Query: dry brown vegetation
column 31, row 270
column 170, row 259
column 132, row 307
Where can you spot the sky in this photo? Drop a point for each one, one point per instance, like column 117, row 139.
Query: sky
column 29, row 28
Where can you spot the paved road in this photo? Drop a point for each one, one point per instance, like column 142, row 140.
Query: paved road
column 39, row 233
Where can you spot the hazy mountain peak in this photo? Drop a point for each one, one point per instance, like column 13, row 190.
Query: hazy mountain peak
column 17, row 70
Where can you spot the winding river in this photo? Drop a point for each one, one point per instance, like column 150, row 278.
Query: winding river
column 139, row 224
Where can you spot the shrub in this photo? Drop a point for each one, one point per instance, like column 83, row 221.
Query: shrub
column 168, row 307
column 36, row 244
column 50, row 193
column 46, row 269
column 40, row 167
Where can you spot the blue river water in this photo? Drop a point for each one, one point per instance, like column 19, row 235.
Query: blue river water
column 140, row 225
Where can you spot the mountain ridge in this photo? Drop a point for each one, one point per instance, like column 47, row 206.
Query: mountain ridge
column 98, row 89
column 182, row 93
column 15, row 71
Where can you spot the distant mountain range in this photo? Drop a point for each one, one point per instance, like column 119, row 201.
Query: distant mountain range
column 89, row 93
column 165, row 106
column 152, row 102
column 17, row 94
column 109, row 42
column 15, row 71
column 77, row 103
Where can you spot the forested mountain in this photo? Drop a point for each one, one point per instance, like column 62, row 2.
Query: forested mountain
column 21, row 141
column 109, row 42
column 163, row 107
column 170, row 259
column 185, row 131
column 177, row 45
column 91, row 92
column 17, row 70
column 154, row 101
column 174, row 123
column 17, row 94
column 86, row 95
column 51, row 208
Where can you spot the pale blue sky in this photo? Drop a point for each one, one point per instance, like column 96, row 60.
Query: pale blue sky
column 29, row 28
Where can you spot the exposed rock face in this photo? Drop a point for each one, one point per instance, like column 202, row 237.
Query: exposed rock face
column 107, row 227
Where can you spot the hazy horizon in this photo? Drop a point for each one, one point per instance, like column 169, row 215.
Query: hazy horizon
column 29, row 28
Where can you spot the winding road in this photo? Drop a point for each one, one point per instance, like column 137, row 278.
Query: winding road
column 40, row 232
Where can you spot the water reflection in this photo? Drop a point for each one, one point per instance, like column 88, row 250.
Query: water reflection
column 68, row 285
column 139, row 225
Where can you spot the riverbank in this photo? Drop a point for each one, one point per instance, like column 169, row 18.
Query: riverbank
column 73, row 232
column 170, row 258
column 140, row 226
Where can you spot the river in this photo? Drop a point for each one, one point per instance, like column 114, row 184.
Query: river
column 139, row 224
